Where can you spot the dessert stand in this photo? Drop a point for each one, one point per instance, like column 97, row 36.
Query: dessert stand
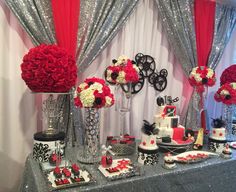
column 175, row 148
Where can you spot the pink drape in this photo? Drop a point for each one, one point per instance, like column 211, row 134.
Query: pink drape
column 66, row 18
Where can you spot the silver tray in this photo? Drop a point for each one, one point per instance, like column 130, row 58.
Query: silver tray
column 48, row 175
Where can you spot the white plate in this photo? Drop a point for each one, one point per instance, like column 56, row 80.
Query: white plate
column 193, row 156
column 232, row 145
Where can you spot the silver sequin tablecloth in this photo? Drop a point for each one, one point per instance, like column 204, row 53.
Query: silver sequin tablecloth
column 212, row 175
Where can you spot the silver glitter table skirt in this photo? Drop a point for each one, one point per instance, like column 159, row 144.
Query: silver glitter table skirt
column 212, row 175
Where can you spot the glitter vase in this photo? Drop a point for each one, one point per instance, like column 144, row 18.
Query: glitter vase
column 91, row 145
column 229, row 116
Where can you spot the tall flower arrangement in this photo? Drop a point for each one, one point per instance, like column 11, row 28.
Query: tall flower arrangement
column 227, row 95
column 92, row 95
column 227, row 92
column 49, row 68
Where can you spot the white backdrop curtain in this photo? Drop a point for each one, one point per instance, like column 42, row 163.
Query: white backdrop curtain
column 16, row 129
column 142, row 33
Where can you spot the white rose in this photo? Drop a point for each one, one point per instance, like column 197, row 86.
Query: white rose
column 87, row 98
column 136, row 68
column 210, row 73
column 108, row 101
column 82, row 86
column 197, row 77
column 122, row 60
column 121, row 77
column 224, row 92
column 233, row 85
column 96, row 86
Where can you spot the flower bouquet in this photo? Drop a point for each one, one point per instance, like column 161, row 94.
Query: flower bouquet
column 202, row 76
column 91, row 95
column 122, row 71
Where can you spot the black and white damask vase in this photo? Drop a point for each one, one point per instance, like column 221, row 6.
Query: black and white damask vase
column 229, row 116
column 90, row 153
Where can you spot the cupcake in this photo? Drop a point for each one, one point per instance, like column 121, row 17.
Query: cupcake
column 57, row 172
column 169, row 162
column 66, row 172
column 75, row 169
column 227, row 152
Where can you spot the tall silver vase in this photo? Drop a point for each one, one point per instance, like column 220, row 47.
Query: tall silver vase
column 90, row 153
column 229, row 116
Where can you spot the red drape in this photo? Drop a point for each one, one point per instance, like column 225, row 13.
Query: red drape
column 204, row 12
column 66, row 19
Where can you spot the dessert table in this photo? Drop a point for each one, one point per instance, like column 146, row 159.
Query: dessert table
column 214, row 174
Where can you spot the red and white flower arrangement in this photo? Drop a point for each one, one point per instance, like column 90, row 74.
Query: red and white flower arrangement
column 49, row 68
column 202, row 76
column 226, row 94
column 94, row 93
column 122, row 71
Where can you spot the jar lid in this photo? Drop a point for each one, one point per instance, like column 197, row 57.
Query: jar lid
column 41, row 136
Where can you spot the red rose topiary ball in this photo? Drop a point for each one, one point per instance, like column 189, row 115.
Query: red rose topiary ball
column 228, row 75
column 49, row 68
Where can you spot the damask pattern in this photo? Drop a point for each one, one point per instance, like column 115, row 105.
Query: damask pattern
column 149, row 159
column 40, row 152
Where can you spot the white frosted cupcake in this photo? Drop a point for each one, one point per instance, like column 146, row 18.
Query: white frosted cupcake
column 169, row 162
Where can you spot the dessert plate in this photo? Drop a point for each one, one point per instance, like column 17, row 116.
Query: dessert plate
column 232, row 145
column 120, row 168
column 173, row 144
column 193, row 156
column 84, row 178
